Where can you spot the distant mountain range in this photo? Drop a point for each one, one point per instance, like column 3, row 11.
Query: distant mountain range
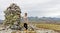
column 1, row 21
column 42, row 20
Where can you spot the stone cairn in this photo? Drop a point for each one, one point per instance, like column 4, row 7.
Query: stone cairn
column 13, row 18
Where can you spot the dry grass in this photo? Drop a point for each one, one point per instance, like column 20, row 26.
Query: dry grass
column 49, row 26
column 23, row 32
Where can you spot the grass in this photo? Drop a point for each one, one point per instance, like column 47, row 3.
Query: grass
column 49, row 26
column 23, row 32
column 46, row 26
column 55, row 26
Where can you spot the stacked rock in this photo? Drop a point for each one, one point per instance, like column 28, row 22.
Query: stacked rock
column 12, row 15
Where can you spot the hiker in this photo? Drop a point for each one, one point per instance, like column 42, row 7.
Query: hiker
column 25, row 21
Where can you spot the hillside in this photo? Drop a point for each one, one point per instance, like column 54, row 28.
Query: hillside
column 44, row 19
column 1, row 21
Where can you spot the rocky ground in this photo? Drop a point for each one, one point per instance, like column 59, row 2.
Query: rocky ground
column 36, row 31
column 40, row 30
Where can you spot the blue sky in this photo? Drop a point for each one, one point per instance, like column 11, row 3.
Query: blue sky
column 47, row 8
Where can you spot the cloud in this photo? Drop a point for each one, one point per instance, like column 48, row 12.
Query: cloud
column 48, row 8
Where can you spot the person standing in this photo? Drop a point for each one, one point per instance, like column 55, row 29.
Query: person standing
column 25, row 21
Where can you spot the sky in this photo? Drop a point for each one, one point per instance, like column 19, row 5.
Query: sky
column 39, row 8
